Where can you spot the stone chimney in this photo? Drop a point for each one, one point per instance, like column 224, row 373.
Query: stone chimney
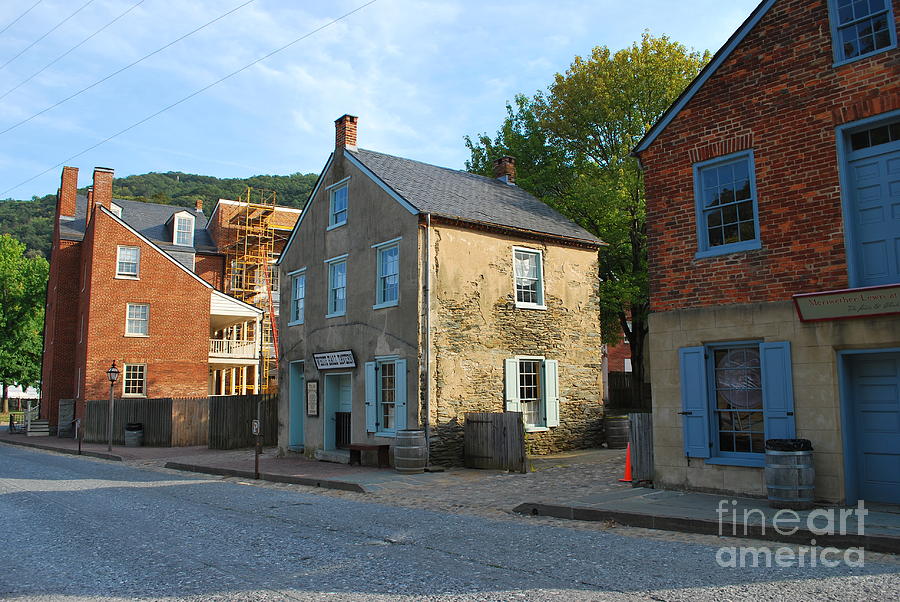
column 505, row 169
column 68, row 190
column 198, row 205
column 345, row 132
column 103, row 179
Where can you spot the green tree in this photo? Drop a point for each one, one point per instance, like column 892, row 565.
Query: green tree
column 572, row 145
column 23, row 284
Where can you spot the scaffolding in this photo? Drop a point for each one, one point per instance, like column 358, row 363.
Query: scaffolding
column 250, row 273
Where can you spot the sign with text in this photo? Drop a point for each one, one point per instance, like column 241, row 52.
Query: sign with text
column 312, row 398
column 334, row 359
column 254, row 427
column 851, row 303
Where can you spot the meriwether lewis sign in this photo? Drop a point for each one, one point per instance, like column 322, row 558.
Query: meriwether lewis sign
column 334, row 359
column 851, row 303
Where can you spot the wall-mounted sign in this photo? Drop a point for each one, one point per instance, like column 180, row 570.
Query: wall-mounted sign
column 312, row 398
column 851, row 303
column 334, row 359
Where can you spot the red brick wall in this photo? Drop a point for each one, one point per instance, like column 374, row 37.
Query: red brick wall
column 778, row 94
column 616, row 356
column 211, row 268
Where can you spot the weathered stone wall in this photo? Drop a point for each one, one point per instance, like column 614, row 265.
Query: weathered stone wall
column 476, row 326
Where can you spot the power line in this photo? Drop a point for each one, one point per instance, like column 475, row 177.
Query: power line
column 16, row 20
column 191, row 95
column 57, row 26
column 67, row 52
column 129, row 66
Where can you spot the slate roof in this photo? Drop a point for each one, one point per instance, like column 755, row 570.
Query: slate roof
column 469, row 197
column 150, row 219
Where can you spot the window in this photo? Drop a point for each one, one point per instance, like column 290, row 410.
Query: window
column 274, row 278
column 134, row 380
column 298, row 298
column 137, row 319
column 338, row 210
column 184, row 230
column 116, row 210
column 337, row 287
column 529, row 275
column 128, row 262
column 387, row 291
column 386, row 396
column 532, row 387
column 734, row 397
column 726, row 205
column 861, row 28
column 237, row 276
column 882, row 134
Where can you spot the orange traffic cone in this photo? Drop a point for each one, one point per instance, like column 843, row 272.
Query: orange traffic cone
column 627, row 477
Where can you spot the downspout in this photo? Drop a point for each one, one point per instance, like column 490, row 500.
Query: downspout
column 426, row 356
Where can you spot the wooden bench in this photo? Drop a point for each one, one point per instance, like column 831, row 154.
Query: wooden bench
column 356, row 449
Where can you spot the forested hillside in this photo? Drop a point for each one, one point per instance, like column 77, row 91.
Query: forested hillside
column 31, row 222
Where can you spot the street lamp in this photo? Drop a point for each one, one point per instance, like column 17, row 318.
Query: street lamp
column 113, row 375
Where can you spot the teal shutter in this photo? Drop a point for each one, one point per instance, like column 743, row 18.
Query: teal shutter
column 371, row 402
column 778, row 390
column 551, row 391
column 694, row 403
column 400, row 393
column 511, row 374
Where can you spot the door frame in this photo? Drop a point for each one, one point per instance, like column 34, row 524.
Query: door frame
column 328, row 409
column 848, row 422
column 296, row 403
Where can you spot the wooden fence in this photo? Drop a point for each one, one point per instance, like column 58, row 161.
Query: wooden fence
column 641, row 427
column 230, row 418
column 154, row 414
column 190, row 421
column 623, row 395
column 495, row 441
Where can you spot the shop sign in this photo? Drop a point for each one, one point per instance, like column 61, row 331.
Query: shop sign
column 851, row 303
column 334, row 359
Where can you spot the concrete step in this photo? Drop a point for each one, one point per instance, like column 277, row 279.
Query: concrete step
column 338, row 456
column 39, row 428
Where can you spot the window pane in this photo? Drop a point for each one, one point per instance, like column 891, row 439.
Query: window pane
column 387, row 395
column 528, row 273
column 738, row 384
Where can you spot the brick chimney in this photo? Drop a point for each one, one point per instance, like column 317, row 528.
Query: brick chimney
column 103, row 179
column 345, row 132
column 198, row 205
column 68, row 190
column 505, row 169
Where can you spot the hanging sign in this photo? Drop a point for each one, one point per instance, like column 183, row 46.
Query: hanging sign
column 312, row 398
column 851, row 303
column 334, row 359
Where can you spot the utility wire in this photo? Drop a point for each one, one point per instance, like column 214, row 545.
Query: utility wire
column 128, row 66
column 16, row 20
column 57, row 26
column 67, row 52
column 192, row 94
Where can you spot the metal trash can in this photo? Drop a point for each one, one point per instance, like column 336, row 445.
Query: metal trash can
column 790, row 476
column 134, row 434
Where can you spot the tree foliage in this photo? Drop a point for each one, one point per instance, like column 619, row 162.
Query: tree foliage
column 23, row 285
column 572, row 145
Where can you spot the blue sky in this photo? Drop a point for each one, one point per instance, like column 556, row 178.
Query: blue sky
column 419, row 74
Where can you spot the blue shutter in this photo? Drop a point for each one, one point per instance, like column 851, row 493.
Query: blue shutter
column 511, row 373
column 778, row 390
column 694, row 402
column 371, row 380
column 551, row 391
column 400, row 393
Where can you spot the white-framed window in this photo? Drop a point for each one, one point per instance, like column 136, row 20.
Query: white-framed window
column 337, row 286
column 237, row 276
column 386, row 396
column 134, row 380
column 337, row 206
column 387, row 278
column 532, row 387
column 528, row 266
column 298, row 297
column 137, row 319
column 184, row 230
column 128, row 262
column 116, row 210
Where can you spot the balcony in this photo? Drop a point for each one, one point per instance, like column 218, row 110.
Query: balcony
column 228, row 349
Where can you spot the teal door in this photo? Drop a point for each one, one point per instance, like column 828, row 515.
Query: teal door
column 875, row 395
column 297, row 392
column 338, row 398
column 874, row 170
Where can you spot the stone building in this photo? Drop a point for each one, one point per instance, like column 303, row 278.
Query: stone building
column 773, row 211
column 418, row 293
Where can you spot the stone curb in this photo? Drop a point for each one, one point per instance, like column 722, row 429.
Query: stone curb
column 263, row 476
column 872, row 543
column 64, row 450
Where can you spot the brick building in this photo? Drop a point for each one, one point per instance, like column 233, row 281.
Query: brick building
column 420, row 293
column 773, row 211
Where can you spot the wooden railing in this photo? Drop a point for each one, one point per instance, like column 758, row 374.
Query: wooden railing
column 229, row 348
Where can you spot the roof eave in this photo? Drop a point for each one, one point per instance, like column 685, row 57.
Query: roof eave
column 569, row 240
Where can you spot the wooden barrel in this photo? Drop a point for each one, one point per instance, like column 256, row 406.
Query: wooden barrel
column 410, row 452
column 790, row 479
column 617, row 431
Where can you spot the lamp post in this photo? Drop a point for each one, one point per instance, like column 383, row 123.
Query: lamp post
column 113, row 375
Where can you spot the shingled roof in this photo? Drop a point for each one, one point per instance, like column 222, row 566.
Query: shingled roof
column 469, row 197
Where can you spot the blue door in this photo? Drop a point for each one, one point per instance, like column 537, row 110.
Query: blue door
column 875, row 399
column 874, row 170
column 297, row 392
column 338, row 400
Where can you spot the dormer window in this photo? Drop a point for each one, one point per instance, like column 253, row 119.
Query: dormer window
column 337, row 215
column 116, row 210
column 184, row 230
